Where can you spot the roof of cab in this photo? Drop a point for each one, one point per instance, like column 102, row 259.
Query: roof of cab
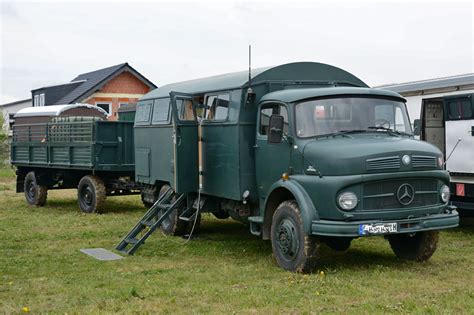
column 297, row 71
column 53, row 110
column 294, row 95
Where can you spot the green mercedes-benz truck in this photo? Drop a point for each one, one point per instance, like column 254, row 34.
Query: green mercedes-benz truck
column 305, row 153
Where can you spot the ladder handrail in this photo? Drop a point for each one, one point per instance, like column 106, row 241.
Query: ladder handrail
column 152, row 213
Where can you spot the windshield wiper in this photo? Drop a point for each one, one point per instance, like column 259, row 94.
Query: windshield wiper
column 342, row 133
column 388, row 130
column 352, row 131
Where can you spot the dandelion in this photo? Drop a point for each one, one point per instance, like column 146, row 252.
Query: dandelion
column 25, row 309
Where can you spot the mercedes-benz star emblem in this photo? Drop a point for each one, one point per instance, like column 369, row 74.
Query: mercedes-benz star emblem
column 405, row 194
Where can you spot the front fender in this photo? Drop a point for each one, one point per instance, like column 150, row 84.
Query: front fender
column 297, row 192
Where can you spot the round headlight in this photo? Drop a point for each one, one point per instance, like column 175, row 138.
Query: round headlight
column 347, row 200
column 445, row 193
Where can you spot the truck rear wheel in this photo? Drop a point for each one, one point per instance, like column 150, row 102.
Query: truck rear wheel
column 418, row 246
column 293, row 250
column 91, row 194
column 172, row 225
column 35, row 194
column 149, row 196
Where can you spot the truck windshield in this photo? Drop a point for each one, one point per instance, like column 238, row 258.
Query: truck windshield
column 351, row 114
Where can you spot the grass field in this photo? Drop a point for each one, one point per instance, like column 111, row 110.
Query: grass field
column 225, row 269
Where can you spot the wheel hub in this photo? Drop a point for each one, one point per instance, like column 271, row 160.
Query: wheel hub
column 87, row 196
column 287, row 239
column 31, row 190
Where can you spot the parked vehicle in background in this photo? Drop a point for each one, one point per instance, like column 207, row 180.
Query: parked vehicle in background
column 448, row 123
column 306, row 153
column 72, row 146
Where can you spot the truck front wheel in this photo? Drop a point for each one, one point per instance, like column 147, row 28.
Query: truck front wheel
column 418, row 246
column 35, row 194
column 91, row 194
column 293, row 250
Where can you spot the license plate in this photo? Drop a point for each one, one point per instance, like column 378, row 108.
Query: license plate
column 377, row 228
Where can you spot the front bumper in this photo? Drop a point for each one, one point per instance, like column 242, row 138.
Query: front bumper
column 412, row 225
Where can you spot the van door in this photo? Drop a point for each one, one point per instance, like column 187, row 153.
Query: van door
column 271, row 159
column 185, row 143
column 433, row 123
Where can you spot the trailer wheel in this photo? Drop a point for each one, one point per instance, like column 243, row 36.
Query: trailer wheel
column 91, row 194
column 293, row 250
column 172, row 225
column 35, row 194
column 418, row 246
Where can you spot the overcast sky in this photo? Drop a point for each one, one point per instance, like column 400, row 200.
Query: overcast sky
column 380, row 42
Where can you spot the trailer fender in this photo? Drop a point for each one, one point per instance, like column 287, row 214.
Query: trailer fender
column 286, row 190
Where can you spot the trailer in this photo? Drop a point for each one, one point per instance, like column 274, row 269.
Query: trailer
column 73, row 146
column 304, row 153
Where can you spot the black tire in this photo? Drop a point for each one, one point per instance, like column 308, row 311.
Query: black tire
column 338, row 243
column 91, row 194
column 149, row 196
column 172, row 225
column 221, row 214
column 35, row 194
column 418, row 247
column 293, row 250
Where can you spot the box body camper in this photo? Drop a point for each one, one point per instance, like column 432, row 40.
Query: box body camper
column 305, row 153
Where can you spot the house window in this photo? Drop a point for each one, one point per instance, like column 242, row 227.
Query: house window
column 122, row 104
column 36, row 101
column 41, row 99
column 105, row 106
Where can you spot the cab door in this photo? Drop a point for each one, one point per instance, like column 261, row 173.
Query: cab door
column 271, row 159
column 185, row 143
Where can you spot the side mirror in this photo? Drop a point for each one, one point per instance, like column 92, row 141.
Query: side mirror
column 275, row 129
column 417, row 127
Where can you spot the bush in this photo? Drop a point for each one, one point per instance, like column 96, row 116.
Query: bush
column 4, row 147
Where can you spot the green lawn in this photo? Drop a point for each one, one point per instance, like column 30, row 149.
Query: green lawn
column 225, row 269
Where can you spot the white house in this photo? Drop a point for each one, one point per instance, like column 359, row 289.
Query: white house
column 10, row 109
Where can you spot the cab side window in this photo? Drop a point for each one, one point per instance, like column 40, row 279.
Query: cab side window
column 272, row 109
column 217, row 107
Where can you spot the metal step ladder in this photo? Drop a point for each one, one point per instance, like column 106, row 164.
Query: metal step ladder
column 150, row 221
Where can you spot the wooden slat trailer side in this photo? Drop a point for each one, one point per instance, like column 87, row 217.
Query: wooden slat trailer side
column 72, row 146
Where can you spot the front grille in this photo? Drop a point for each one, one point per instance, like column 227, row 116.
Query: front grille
column 382, row 195
column 423, row 161
column 389, row 162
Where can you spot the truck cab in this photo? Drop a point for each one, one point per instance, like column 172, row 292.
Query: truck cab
column 353, row 166
column 306, row 153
